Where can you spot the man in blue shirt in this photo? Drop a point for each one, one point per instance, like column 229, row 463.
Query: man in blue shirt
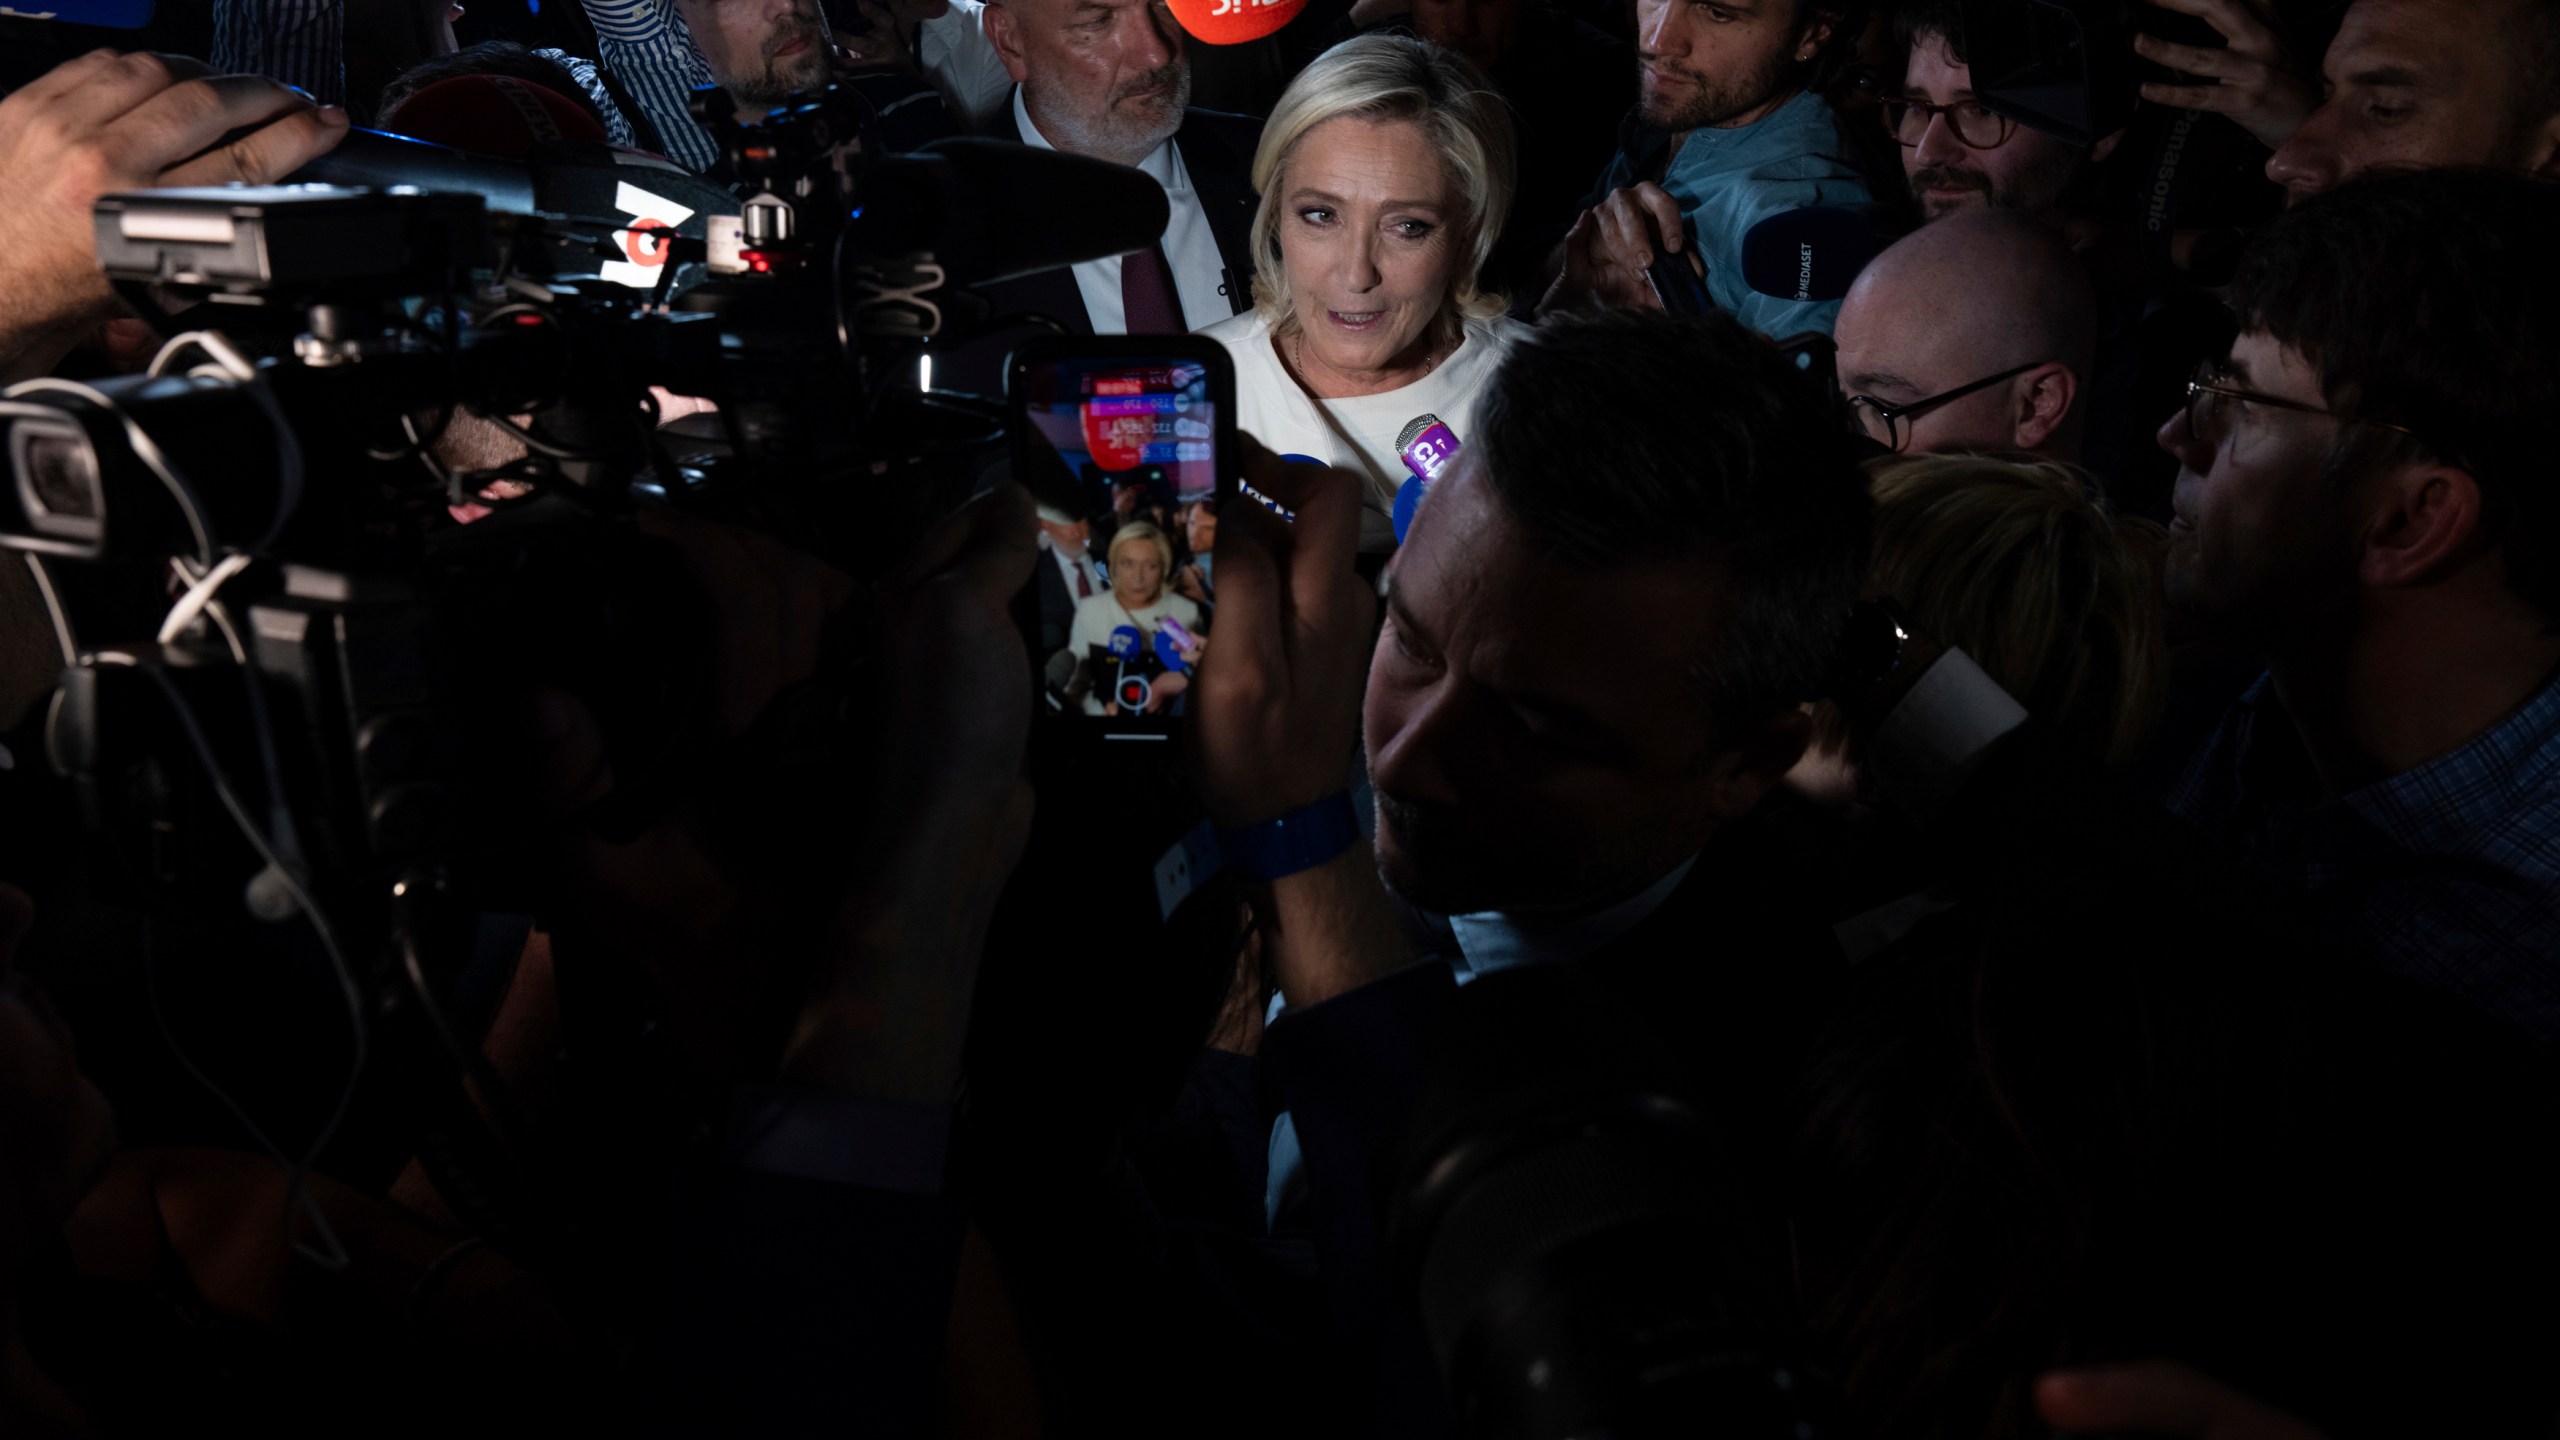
column 1727, row 132
column 2366, row 501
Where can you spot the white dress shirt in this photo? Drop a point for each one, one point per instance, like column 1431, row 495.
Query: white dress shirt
column 958, row 59
column 1071, row 566
column 1190, row 246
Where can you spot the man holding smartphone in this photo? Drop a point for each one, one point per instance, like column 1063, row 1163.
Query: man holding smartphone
column 1728, row 131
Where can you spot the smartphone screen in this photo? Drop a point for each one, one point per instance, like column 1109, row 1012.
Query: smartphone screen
column 1128, row 445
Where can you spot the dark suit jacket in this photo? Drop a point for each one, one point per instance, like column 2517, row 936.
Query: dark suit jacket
column 1217, row 152
column 1057, row 609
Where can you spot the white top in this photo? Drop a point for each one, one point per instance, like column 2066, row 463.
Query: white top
column 1098, row 617
column 955, row 54
column 1190, row 246
column 1358, row 434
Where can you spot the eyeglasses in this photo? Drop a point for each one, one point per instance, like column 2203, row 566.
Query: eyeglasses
column 2210, row 402
column 1975, row 126
column 1889, row 425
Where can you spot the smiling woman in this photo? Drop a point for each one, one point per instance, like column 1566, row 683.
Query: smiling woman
column 1385, row 172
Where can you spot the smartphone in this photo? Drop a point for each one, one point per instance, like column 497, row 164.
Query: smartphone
column 1128, row 443
column 1677, row 284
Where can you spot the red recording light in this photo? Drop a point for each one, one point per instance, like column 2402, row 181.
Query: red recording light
column 757, row 260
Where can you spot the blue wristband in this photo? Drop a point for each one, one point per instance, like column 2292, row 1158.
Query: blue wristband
column 1300, row 840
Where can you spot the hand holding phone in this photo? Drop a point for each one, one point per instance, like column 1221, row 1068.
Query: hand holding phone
column 1678, row 285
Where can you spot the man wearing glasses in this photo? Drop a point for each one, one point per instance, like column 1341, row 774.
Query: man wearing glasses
column 1977, row 332
column 2366, row 501
column 1957, row 154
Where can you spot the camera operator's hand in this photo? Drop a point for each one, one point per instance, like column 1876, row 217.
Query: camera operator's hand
column 2254, row 80
column 107, row 122
column 888, row 1007
column 1611, row 245
column 2158, row 1398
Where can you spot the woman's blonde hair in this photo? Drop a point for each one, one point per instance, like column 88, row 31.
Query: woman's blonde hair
column 2020, row 563
column 1137, row 531
column 1393, row 77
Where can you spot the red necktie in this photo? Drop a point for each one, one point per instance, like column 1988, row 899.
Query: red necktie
column 1084, row 582
column 1148, row 301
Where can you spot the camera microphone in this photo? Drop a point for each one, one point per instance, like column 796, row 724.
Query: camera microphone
column 993, row 210
column 1427, row 446
column 1811, row 254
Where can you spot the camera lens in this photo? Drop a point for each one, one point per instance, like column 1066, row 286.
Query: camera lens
column 57, row 479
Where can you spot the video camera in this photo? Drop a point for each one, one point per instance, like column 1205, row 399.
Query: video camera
column 290, row 676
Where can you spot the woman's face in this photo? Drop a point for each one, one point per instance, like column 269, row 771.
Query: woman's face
column 1369, row 235
column 1137, row 574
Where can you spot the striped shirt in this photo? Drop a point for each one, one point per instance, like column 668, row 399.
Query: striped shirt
column 645, row 45
column 299, row 42
column 2447, row 874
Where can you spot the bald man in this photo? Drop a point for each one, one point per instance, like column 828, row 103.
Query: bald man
column 1978, row 330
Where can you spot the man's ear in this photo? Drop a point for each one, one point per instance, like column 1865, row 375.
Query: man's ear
column 1749, row 771
column 1002, row 34
column 1816, row 34
column 2041, row 401
column 2105, row 146
column 2424, row 523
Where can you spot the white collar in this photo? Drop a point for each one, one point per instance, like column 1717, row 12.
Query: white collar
column 1490, row 940
column 1159, row 163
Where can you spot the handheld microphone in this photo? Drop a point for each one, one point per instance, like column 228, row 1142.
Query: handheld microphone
column 1172, row 638
column 1427, row 446
column 1811, row 254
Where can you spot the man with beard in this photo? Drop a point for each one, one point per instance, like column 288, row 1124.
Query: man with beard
column 1728, row 130
column 1958, row 154
column 2365, row 500
column 1108, row 79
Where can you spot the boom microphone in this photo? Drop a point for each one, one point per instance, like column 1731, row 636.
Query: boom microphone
column 1810, row 254
column 994, row 210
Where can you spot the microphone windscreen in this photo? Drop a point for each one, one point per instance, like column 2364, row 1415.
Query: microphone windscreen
column 995, row 210
column 1234, row 22
column 495, row 115
column 1810, row 254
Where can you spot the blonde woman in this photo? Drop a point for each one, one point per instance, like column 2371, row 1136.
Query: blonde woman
column 1141, row 598
column 1385, row 173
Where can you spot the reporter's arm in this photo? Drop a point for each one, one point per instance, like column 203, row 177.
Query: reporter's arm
column 816, row 1286
column 2160, row 1398
column 1275, row 721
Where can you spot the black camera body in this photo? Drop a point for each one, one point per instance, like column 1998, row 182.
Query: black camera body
column 295, row 687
